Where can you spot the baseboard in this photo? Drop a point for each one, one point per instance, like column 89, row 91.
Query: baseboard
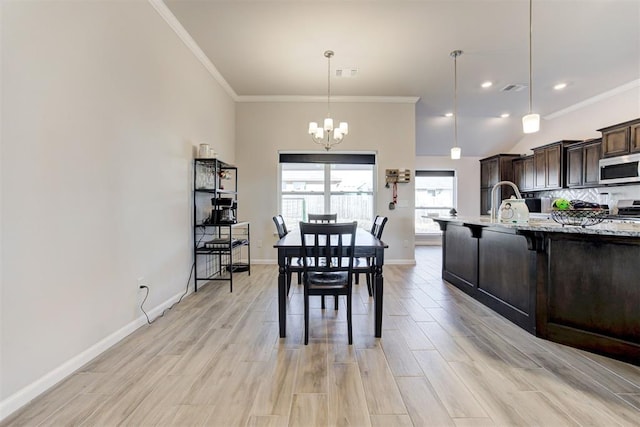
column 17, row 400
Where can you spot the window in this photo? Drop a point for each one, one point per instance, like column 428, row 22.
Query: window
column 435, row 195
column 327, row 183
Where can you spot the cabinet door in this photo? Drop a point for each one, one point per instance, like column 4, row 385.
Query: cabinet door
column 489, row 172
column 485, row 201
column 634, row 140
column 518, row 173
column 591, row 170
column 574, row 167
column 540, row 169
column 615, row 142
column 529, row 174
column 554, row 166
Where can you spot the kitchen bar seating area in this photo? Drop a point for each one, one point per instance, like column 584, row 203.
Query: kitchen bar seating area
column 444, row 359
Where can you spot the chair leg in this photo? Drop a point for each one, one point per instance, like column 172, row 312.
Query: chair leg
column 349, row 322
column 299, row 278
column 370, row 277
column 322, row 299
column 306, row 316
column 288, row 281
column 357, row 278
column 336, row 301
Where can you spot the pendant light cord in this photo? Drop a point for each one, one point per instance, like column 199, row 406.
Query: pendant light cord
column 530, row 56
column 455, row 99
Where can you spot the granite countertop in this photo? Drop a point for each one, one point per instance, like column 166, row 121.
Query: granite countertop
column 606, row 228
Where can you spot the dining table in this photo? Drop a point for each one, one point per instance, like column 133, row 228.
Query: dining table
column 366, row 245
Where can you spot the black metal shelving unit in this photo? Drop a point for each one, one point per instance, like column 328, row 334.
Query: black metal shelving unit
column 221, row 245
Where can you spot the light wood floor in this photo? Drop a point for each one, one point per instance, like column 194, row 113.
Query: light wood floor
column 443, row 360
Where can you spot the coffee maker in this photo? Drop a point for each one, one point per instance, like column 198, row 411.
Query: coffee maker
column 224, row 210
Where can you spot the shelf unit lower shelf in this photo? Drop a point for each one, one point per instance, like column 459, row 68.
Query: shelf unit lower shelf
column 221, row 251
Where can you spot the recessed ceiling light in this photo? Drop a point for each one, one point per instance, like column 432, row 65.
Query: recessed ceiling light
column 560, row 86
column 487, row 84
column 504, row 115
column 448, row 114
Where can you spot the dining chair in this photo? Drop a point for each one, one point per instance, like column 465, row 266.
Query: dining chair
column 327, row 267
column 364, row 265
column 323, row 218
column 293, row 264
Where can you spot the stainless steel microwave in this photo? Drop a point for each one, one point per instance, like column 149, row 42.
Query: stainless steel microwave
column 619, row 170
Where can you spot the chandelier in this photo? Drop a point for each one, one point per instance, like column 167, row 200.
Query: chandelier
column 327, row 135
column 455, row 150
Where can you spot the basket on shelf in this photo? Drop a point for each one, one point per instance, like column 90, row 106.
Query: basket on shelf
column 580, row 217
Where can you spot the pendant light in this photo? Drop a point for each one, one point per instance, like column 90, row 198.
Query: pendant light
column 531, row 122
column 327, row 135
column 455, row 150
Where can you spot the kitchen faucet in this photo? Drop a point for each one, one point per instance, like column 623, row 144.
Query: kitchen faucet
column 494, row 209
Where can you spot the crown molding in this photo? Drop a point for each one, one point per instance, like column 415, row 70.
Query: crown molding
column 191, row 44
column 303, row 98
column 594, row 99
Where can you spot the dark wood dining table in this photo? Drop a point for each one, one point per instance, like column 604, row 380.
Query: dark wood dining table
column 366, row 245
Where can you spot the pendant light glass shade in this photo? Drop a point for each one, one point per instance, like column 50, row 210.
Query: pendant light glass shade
column 531, row 123
column 455, row 153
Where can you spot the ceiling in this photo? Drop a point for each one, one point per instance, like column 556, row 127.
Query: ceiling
column 267, row 48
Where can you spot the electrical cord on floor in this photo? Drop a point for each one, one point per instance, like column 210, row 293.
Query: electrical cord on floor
column 186, row 290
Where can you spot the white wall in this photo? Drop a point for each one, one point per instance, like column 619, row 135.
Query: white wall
column 468, row 179
column 264, row 128
column 102, row 105
column 617, row 106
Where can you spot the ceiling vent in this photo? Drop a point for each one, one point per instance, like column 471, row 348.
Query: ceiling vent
column 513, row 88
column 346, row 72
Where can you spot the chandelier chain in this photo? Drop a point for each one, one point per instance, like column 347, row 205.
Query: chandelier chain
column 329, row 55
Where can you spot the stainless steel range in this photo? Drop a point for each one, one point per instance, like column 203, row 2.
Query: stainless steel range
column 628, row 211
column 629, row 208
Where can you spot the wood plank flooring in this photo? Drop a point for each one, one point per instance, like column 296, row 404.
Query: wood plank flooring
column 443, row 360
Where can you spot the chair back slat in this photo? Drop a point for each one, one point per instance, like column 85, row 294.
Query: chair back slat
column 323, row 218
column 281, row 227
column 328, row 247
column 378, row 226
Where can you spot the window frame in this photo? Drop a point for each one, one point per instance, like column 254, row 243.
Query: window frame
column 435, row 173
column 343, row 157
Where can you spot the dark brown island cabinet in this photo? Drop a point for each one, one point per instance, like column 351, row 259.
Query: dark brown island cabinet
column 574, row 286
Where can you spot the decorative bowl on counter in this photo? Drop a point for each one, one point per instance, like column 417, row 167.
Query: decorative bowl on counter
column 580, row 217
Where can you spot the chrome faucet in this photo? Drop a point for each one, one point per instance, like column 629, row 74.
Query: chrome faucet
column 494, row 208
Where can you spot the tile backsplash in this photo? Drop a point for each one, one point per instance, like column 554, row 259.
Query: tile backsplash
column 604, row 195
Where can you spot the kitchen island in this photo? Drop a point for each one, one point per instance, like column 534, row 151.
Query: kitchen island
column 573, row 285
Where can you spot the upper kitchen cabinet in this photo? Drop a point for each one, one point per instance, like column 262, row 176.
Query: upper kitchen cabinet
column 621, row 139
column 582, row 163
column 523, row 173
column 548, row 162
column 493, row 170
